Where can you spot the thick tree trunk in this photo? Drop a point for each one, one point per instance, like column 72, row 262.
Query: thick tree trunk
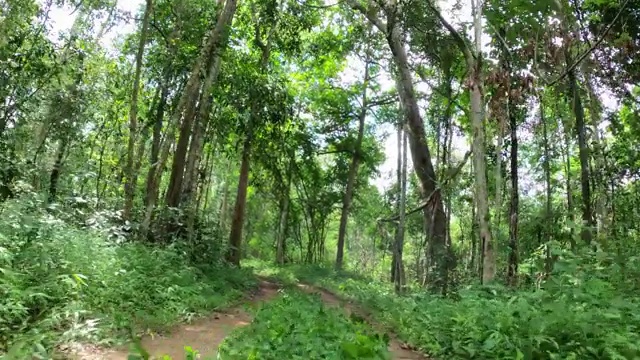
column 155, row 141
column 235, row 237
column 195, row 150
column 394, row 246
column 130, row 186
column 179, row 158
column 212, row 49
column 191, row 178
column 423, row 167
column 353, row 170
column 185, row 164
column 154, row 175
column 237, row 222
column 475, row 265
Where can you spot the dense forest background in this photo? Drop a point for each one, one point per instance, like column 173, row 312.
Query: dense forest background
column 481, row 157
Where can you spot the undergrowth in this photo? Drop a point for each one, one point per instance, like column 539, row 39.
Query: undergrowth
column 60, row 283
column 299, row 326
column 585, row 310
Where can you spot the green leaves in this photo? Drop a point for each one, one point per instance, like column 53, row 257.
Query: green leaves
column 299, row 326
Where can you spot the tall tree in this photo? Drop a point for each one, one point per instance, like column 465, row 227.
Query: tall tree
column 131, row 175
column 213, row 48
column 421, row 155
column 473, row 59
column 580, row 126
column 355, row 162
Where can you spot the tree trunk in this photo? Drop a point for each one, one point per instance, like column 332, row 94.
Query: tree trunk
column 237, row 222
column 224, row 206
column 475, row 265
column 55, row 171
column 568, row 187
column 235, row 236
column 155, row 142
column 130, row 186
column 580, row 128
column 598, row 154
column 283, row 219
column 547, row 171
column 420, row 153
column 191, row 178
column 353, row 170
column 498, row 175
column 477, row 124
column 587, row 213
column 399, row 271
column 512, row 270
column 394, row 247
column 423, row 167
column 212, row 49
column 446, row 157
column 195, row 150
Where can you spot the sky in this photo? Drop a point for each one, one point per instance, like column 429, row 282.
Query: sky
column 61, row 19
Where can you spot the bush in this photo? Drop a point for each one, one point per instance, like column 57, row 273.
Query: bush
column 59, row 283
column 299, row 326
column 582, row 312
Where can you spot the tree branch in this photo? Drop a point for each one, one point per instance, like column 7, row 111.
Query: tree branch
column 593, row 47
column 319, row 6
column 466, row 51
column 370, row 14
column 426, row 202
column 423, row 77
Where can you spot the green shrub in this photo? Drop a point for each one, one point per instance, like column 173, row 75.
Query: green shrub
column 60, row 283
column 299, row 326
column 583, row 311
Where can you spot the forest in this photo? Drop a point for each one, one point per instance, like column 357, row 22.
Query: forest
column 320, row 179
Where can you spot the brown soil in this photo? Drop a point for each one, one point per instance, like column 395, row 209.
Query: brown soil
column 203, row 335
column 206, row 334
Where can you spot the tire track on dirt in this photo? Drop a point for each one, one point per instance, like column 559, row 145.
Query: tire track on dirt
column 207, row 333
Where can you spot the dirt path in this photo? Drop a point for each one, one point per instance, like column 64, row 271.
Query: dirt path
column 206, row 334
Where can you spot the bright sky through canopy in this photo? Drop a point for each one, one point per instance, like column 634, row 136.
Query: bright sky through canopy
column 61, row 19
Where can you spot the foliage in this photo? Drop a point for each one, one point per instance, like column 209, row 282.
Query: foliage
column 272, row 111
column 574, row 315
column 61, row 283
column 299, row 326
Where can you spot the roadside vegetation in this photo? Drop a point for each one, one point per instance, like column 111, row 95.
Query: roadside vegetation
column 464, row 174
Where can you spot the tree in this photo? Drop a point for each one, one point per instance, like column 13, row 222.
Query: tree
column 420, row 153
column 353, row 167
column 130, row 172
